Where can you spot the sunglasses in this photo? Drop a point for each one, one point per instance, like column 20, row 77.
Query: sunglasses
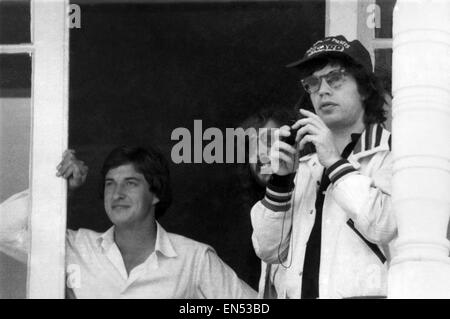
column 334, row 79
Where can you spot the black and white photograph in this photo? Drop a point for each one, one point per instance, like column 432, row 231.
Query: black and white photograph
column 236, row 150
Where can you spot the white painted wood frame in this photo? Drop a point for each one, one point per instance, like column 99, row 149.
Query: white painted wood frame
column 351, row 18
column 341, row 17
column 46, row 266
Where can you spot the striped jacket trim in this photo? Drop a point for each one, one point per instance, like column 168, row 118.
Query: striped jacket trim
column 278, row 193
column 278, row 207
column 374, row 136
column 339, row 169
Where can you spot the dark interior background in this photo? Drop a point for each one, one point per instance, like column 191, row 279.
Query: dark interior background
column 138, row 71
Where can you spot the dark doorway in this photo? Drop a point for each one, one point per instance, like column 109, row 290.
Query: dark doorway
column 138, row 71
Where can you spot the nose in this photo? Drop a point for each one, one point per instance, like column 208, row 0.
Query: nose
column 324, row 88
column 118, row 192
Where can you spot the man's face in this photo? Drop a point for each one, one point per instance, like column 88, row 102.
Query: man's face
column 265, row 139
column 127, row 196
column 341, row 106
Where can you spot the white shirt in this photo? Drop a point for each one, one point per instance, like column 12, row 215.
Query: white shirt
column 179, row 267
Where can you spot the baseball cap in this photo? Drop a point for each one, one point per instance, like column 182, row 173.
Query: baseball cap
column 336, row 46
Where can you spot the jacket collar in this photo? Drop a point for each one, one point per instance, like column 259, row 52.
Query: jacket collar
column 375, row 138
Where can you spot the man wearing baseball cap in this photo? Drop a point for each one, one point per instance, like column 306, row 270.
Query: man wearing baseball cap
column 326, row 217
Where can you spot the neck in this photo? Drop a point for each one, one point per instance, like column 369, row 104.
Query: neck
column 137, row 238
column 343, row 135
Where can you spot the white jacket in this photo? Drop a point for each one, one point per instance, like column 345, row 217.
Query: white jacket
column 348, row 267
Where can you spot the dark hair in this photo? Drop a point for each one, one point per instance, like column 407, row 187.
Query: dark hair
column 369, row 86
column 250, row 191
column 282, row 116
column 150, row 163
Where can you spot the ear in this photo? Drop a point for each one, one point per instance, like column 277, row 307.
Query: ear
column 155, row 200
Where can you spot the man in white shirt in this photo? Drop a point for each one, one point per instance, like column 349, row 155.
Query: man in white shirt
column 135, row 258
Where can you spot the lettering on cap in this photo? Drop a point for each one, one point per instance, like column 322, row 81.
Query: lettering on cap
column 326, row 45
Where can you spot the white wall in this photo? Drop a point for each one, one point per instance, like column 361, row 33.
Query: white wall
column 14, row 176
column 15, row 125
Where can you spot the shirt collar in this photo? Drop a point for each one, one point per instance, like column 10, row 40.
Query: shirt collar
column 355, row 136
column 106, row 240
column 162, row 244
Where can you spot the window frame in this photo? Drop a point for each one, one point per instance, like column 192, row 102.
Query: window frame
column 49, row 50
column 356, row 15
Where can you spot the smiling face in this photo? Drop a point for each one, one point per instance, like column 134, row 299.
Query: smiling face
column 127, row 197
column 339, row 107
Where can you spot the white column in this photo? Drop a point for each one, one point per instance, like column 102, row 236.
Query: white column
column 49, row 139
column 421, row 149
